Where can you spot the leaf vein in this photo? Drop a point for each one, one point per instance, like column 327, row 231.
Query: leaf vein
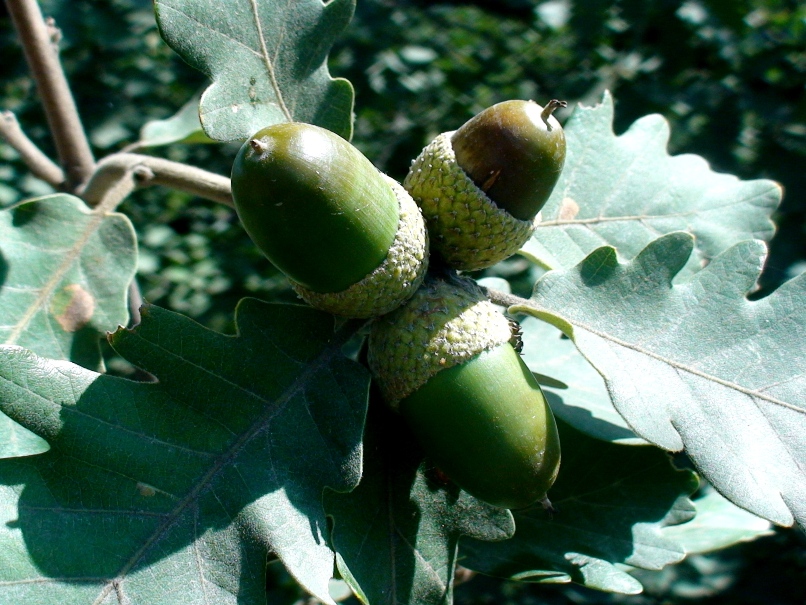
column 269, row 61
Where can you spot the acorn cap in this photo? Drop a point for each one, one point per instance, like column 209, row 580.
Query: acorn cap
column 514, row 151
column 314, row 205
column 446, row 323
column 467, row 229
column 394, row 281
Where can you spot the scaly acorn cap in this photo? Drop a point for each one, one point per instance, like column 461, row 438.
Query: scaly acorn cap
column 445, row 323
column 348, row 237
column 445, row 361
column 481, row 187
column 467, row 229
column 394, row 281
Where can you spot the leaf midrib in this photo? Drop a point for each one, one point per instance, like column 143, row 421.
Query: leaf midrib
column 269, row 61
column 637, row 217
column 663, row 359
column 45, row 292
column 332, row 350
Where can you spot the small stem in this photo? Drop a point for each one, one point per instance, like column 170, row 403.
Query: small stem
column 37, row 38
column 503, row 299
column 38, row 163
column 259, row 147
column 117, row 190
column 148, row 170
column 549, row 109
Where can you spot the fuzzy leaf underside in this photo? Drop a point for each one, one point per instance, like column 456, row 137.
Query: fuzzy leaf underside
column 613, row 503
column 396, row 534
column 625, row 191
column 697, row 365
column 267, row 60
column 64, row 275
column 181, row 487
column 580, row 398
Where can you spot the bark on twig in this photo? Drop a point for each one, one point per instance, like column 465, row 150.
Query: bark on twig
column 37, row 40
column 38, row 163
column 148, row 170
column 504, row 299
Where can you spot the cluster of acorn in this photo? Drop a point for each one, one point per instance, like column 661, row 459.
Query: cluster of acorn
column 357, row 244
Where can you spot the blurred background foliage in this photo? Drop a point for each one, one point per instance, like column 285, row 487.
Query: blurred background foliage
column 729, row 75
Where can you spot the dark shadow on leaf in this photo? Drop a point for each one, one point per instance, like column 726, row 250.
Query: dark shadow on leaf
column 382, row 509
column 582, row 417
column 85, row 349
column 3, row 269
column 24, row 213
column 598, row 267
column 228, row 452
column 612, row 500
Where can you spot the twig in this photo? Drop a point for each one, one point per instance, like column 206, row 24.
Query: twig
column 37, row 41
column 148, row 170
column 38, row 163
column 117, row 189
column 504, row 299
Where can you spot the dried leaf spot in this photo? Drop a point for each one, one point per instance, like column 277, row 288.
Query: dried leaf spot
column 568, row 209
column 73, row 307
column 146, row 490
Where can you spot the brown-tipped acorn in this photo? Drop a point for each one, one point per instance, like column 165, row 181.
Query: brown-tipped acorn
column 445, row 362
column 350, row 239
column 481, row 187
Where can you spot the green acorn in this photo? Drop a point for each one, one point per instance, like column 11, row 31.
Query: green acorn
column 350, row 239
column 481, row 188
column 445, row 361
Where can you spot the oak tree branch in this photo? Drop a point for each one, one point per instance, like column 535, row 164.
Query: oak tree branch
column 69, row 137
column 38, row 163
column 147, row 170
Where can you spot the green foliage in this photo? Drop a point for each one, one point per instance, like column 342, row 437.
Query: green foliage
column 267, row 62
column 627, row 190
column 64, row 272
column 612, row 504
column 182, row 127
column 198, row 471
column 733, row 399
column 178, row 487
column 580, row 395
column 718, row 523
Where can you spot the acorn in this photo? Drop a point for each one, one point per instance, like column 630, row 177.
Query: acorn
column 481, row 187
column 445, row 361
column 350, row 239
